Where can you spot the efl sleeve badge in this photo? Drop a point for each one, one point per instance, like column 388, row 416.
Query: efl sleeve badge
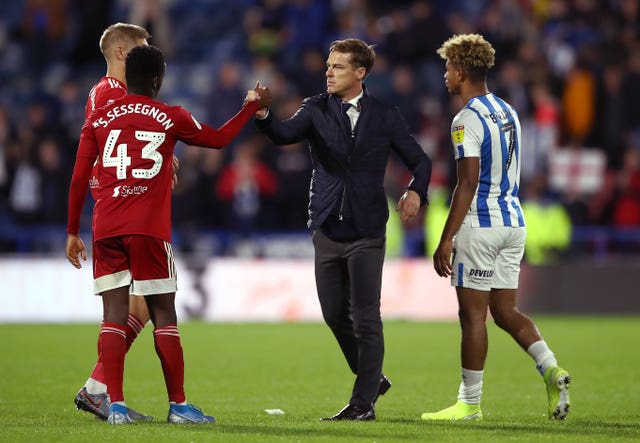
column 457, row 134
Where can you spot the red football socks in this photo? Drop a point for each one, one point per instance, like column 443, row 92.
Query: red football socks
column 169, row 349
column 98, row 370
column 114, row 347
column 133, row 328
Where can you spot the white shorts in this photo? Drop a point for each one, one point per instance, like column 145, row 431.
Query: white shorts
column 486, row 258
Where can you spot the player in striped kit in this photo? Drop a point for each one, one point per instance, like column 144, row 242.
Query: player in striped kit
column 483, row 240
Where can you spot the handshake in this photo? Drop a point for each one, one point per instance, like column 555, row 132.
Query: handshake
column 260, row 94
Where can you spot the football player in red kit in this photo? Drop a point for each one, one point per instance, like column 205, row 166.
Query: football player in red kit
column 134, row 138
column 116, row 41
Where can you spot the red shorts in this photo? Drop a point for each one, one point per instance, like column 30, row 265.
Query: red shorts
column 142, row 262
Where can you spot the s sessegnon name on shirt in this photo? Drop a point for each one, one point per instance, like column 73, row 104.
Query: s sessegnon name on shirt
column 134, row 108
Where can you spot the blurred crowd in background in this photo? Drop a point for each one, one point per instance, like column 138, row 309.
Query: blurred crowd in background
column 570, row 68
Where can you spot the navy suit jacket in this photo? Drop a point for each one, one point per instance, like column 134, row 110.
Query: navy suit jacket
column 351, row 168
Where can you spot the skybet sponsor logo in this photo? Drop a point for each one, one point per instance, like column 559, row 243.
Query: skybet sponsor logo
column 125, row 191
column 482, row 273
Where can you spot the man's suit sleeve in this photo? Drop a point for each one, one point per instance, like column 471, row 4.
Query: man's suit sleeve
column 290, row 131
column 411, row 154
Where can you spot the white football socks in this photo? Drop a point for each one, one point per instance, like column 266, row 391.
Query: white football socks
column 95, row 387
column 470, row 389
column 542, row 355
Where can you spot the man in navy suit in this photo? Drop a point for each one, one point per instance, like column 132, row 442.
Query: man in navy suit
column 351, row 135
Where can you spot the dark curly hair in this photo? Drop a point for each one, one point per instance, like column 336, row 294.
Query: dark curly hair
column 143, row 65
column 470, row 52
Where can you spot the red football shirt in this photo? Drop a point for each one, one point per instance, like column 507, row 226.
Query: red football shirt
column 134, row 138
column 106, row 91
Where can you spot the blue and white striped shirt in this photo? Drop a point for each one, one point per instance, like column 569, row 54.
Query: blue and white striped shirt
column 489, row 128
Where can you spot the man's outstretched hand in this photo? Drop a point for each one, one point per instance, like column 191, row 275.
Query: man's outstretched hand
column 265, row 95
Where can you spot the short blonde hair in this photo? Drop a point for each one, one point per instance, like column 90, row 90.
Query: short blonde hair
column 121, row 33
column 468, row 51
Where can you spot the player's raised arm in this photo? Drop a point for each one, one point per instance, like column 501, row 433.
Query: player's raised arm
column 200, row 134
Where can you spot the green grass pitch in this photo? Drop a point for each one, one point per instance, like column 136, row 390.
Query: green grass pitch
column 236, row 371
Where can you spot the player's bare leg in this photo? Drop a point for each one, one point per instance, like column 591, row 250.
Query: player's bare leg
column 138, row 308
column 473, row 324
column 472, row 314
column 503, row 308
column 502, row 304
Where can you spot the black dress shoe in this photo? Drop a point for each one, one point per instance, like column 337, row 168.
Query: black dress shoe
column 352, row 412
column 385, row 384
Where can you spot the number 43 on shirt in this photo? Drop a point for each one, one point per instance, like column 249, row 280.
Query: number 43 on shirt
column 121, row 161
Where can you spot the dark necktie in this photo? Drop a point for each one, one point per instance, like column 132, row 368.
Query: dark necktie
column 345, row 107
